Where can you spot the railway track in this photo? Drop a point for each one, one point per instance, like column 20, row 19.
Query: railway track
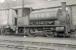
column 37, row 43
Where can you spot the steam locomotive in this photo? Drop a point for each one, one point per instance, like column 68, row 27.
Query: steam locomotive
column 44, row 22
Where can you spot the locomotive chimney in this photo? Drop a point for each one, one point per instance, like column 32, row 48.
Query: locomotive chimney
column 64, row 11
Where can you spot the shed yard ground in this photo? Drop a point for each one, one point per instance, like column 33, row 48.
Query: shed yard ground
column 37, row 43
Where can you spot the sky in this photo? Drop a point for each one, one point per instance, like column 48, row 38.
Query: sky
column 1, row 1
